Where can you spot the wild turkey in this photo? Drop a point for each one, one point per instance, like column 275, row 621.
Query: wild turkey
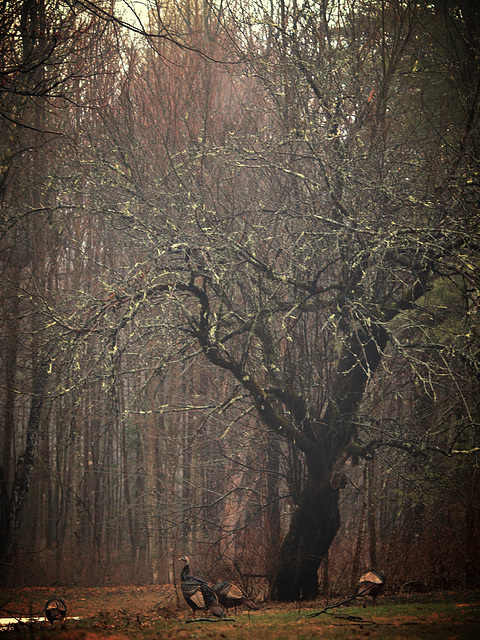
column 229, row 595
column 55, row 609
column 197, row 593
column 371, row 584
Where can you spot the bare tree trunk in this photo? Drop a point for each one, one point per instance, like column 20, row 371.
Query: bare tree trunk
column 313, row 528
column 11, row 339
column 472, row 535
column 126, row 488
column 273, row 520
column 371, row 513
column 357, row 557
column 8, row 419
column 151, row 502
column 25, row 463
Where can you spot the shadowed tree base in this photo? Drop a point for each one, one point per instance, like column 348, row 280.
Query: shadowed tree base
column 313, row 528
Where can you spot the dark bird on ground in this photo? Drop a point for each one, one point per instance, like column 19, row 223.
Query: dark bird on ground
column 229, row 595
column 371, row 584
column 55, row 609
column 197, row 593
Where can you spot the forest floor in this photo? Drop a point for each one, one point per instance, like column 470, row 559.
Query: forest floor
column 159, row 613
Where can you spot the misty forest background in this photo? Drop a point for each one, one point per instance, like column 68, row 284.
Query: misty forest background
column 239, row 267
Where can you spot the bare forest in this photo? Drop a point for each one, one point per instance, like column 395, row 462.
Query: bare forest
column 239, row 292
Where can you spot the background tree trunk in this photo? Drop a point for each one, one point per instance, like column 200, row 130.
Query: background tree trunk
column 25, row 464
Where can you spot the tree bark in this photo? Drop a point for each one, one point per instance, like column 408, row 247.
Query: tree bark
column 12, row 505
column 8, row 417
column 313, row 528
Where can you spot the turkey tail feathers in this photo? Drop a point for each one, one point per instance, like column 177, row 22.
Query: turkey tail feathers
column 211, row 601
column 229, row 595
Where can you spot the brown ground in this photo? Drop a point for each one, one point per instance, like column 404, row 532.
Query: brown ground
column 159, row 612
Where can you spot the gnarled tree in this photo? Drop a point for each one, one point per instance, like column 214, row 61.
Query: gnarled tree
column 291, row 238
column 295, row 243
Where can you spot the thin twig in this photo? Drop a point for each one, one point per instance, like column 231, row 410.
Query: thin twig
column 210, row 620
column 339, row 604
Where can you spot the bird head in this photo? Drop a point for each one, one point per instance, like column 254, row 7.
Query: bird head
column 185, row 559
